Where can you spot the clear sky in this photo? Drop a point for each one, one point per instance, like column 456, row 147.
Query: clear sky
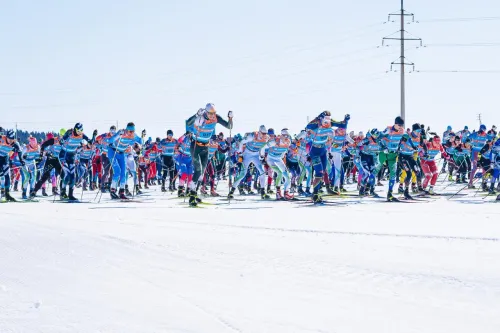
column 273, row 62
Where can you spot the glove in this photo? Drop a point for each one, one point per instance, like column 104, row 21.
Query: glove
column 200, row 112
column 330, row 156
column 94, row 133
column 143, row 133
column 308, row 158
column 347, row 117
column 230, row 114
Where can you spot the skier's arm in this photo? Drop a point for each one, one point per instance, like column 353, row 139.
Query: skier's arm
column 226, row 124
column 46, row 144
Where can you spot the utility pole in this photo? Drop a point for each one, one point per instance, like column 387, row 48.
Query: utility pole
column 479, row 119
column 16, row 131
column 402, row 59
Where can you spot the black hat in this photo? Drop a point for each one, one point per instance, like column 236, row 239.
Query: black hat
column 399, row 121
column 415, row 127
column 170, row 132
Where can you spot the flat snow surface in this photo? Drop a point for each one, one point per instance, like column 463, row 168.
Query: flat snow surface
column 251, row 266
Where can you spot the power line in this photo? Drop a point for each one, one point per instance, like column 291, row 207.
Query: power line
column 494, row 44
column 461, row 19
column 480, row 71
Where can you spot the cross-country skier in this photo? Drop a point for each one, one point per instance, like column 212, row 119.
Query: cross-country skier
column 8, row 145
column 203, row 125
column 321, row 133
column 117, row 145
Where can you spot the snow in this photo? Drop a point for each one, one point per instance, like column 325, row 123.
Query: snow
column 250, row 266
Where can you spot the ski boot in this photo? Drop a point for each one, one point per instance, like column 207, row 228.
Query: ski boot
column 127, row 192
column 8, row 197
column 492, row 191
column 121, row 195
column 498, row 198
column 362, row 191
column 450, row 177
column 71, row 197
column 146, row 186
column 307, row 192
column 240, row 189
column 44, row 192
column 336, row 190
column 112, row 193
column 2, row 193
column 138, row 190
column 414, row 188
column 342, row 189
column 330, row 191
column 278, row 194
column 213, row 193
column 372, row 191
column 287, row 195
column 263, row 194
column 269, row 191
column 406, row 194
column 180, row 192
column 63, row 195
column 24, row 196
column 192, row 199
column 379, row 183
column 316, row 198
column 391, row 198
column 54, row 191
column 203, row 190
column 85, row 188
column 401, row 189
column 171, row 187
column 231, row 193
column 16, row 184
column 300, row 191
column 249, row 190
column 420, row 188
column 431, row 190
column 471, row 186
column 163, row 189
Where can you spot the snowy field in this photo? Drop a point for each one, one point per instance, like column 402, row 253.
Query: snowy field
column 251, row 266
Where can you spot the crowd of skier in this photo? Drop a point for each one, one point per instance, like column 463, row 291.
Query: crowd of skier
column 315, row 163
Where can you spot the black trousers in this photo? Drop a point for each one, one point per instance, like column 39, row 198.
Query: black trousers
column 168, row 168
column 200, row 161
column 52, row 162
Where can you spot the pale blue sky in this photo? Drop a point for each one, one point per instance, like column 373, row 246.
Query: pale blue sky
column 272, row 62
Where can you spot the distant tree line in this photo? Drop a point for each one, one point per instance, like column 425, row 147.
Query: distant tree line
column 23, row 136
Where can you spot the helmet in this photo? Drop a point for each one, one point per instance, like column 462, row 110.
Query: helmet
column 325, row 114
column 158, row 139
column 399, row 121
column 170, row 132
column 210, row 107
column 482, row 127
column 78, row 128
column 213, row 137
column 284, row 132
column 62, row 131
column 374, row 133
column 448, row 128
column 270, row 131
column 50, row 136
column 11, row 135
column 262, row 129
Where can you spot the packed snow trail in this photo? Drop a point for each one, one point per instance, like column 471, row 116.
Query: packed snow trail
column 250, row 266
